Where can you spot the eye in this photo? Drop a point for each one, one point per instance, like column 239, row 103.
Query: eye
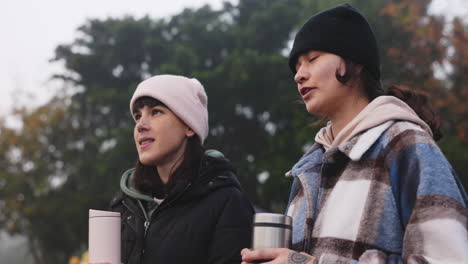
column 156, row 111
column 313, row 58
column 137, row 116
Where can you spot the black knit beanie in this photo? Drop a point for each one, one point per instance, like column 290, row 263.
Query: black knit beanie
column 341, row 30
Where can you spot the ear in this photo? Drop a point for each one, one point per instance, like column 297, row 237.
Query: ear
column 189, row 132
column 358, row 69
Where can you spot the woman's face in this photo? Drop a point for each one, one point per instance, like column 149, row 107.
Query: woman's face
column 316, row 81
column 160, row 136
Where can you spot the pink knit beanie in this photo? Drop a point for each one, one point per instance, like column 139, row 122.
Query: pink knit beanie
column 185, row 97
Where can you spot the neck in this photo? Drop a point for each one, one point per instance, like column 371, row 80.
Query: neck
column 346, row 113
column 169, row 165
column 165, row 172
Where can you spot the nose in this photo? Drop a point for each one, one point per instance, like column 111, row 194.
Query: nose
column 301, row 76
column 142, row 124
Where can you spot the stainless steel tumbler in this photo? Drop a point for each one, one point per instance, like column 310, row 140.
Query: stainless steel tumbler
column 271, row 231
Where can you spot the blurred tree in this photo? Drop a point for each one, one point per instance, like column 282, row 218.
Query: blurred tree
column 456, row 107
column 417, row 51
column 36, row 198
column 459, row 80
column 69, row 154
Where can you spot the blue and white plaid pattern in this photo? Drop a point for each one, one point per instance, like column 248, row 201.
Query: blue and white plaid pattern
column 387, row 195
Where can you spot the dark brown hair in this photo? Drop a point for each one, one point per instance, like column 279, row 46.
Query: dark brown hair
column 417, row 100
column 147, row 179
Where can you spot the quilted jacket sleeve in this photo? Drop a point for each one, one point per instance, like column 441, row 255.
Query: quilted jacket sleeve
column 233, row 229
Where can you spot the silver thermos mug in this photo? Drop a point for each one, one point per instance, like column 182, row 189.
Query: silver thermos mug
column 271, row 231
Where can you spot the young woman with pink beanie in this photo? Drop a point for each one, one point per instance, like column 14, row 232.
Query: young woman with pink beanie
column 180, row 204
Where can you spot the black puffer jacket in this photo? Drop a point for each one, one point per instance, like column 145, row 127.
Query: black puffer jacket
column 205, row 221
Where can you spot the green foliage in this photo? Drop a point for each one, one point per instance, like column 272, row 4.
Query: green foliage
column 457, row 154
column 69, row 155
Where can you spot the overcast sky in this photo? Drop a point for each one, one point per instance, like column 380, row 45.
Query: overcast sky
column 30, row 30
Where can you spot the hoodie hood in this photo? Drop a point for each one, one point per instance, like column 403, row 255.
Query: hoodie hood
column 127, row 186
column 381, row 110
column 215, row 172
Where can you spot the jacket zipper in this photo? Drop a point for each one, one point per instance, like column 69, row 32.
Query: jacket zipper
column 146, row 225
column 159, row 208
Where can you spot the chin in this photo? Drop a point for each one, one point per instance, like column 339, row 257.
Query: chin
column 314, row 109
column 311, row 110
column 147, row 161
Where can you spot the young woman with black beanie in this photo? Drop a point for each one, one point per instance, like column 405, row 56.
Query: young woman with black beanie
column 375, row 187
column 180, row 204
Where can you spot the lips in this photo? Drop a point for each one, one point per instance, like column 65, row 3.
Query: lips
column 305, row 90
column 145, row 141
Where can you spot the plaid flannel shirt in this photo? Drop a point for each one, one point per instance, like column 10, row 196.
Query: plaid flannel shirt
column 386, row 196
